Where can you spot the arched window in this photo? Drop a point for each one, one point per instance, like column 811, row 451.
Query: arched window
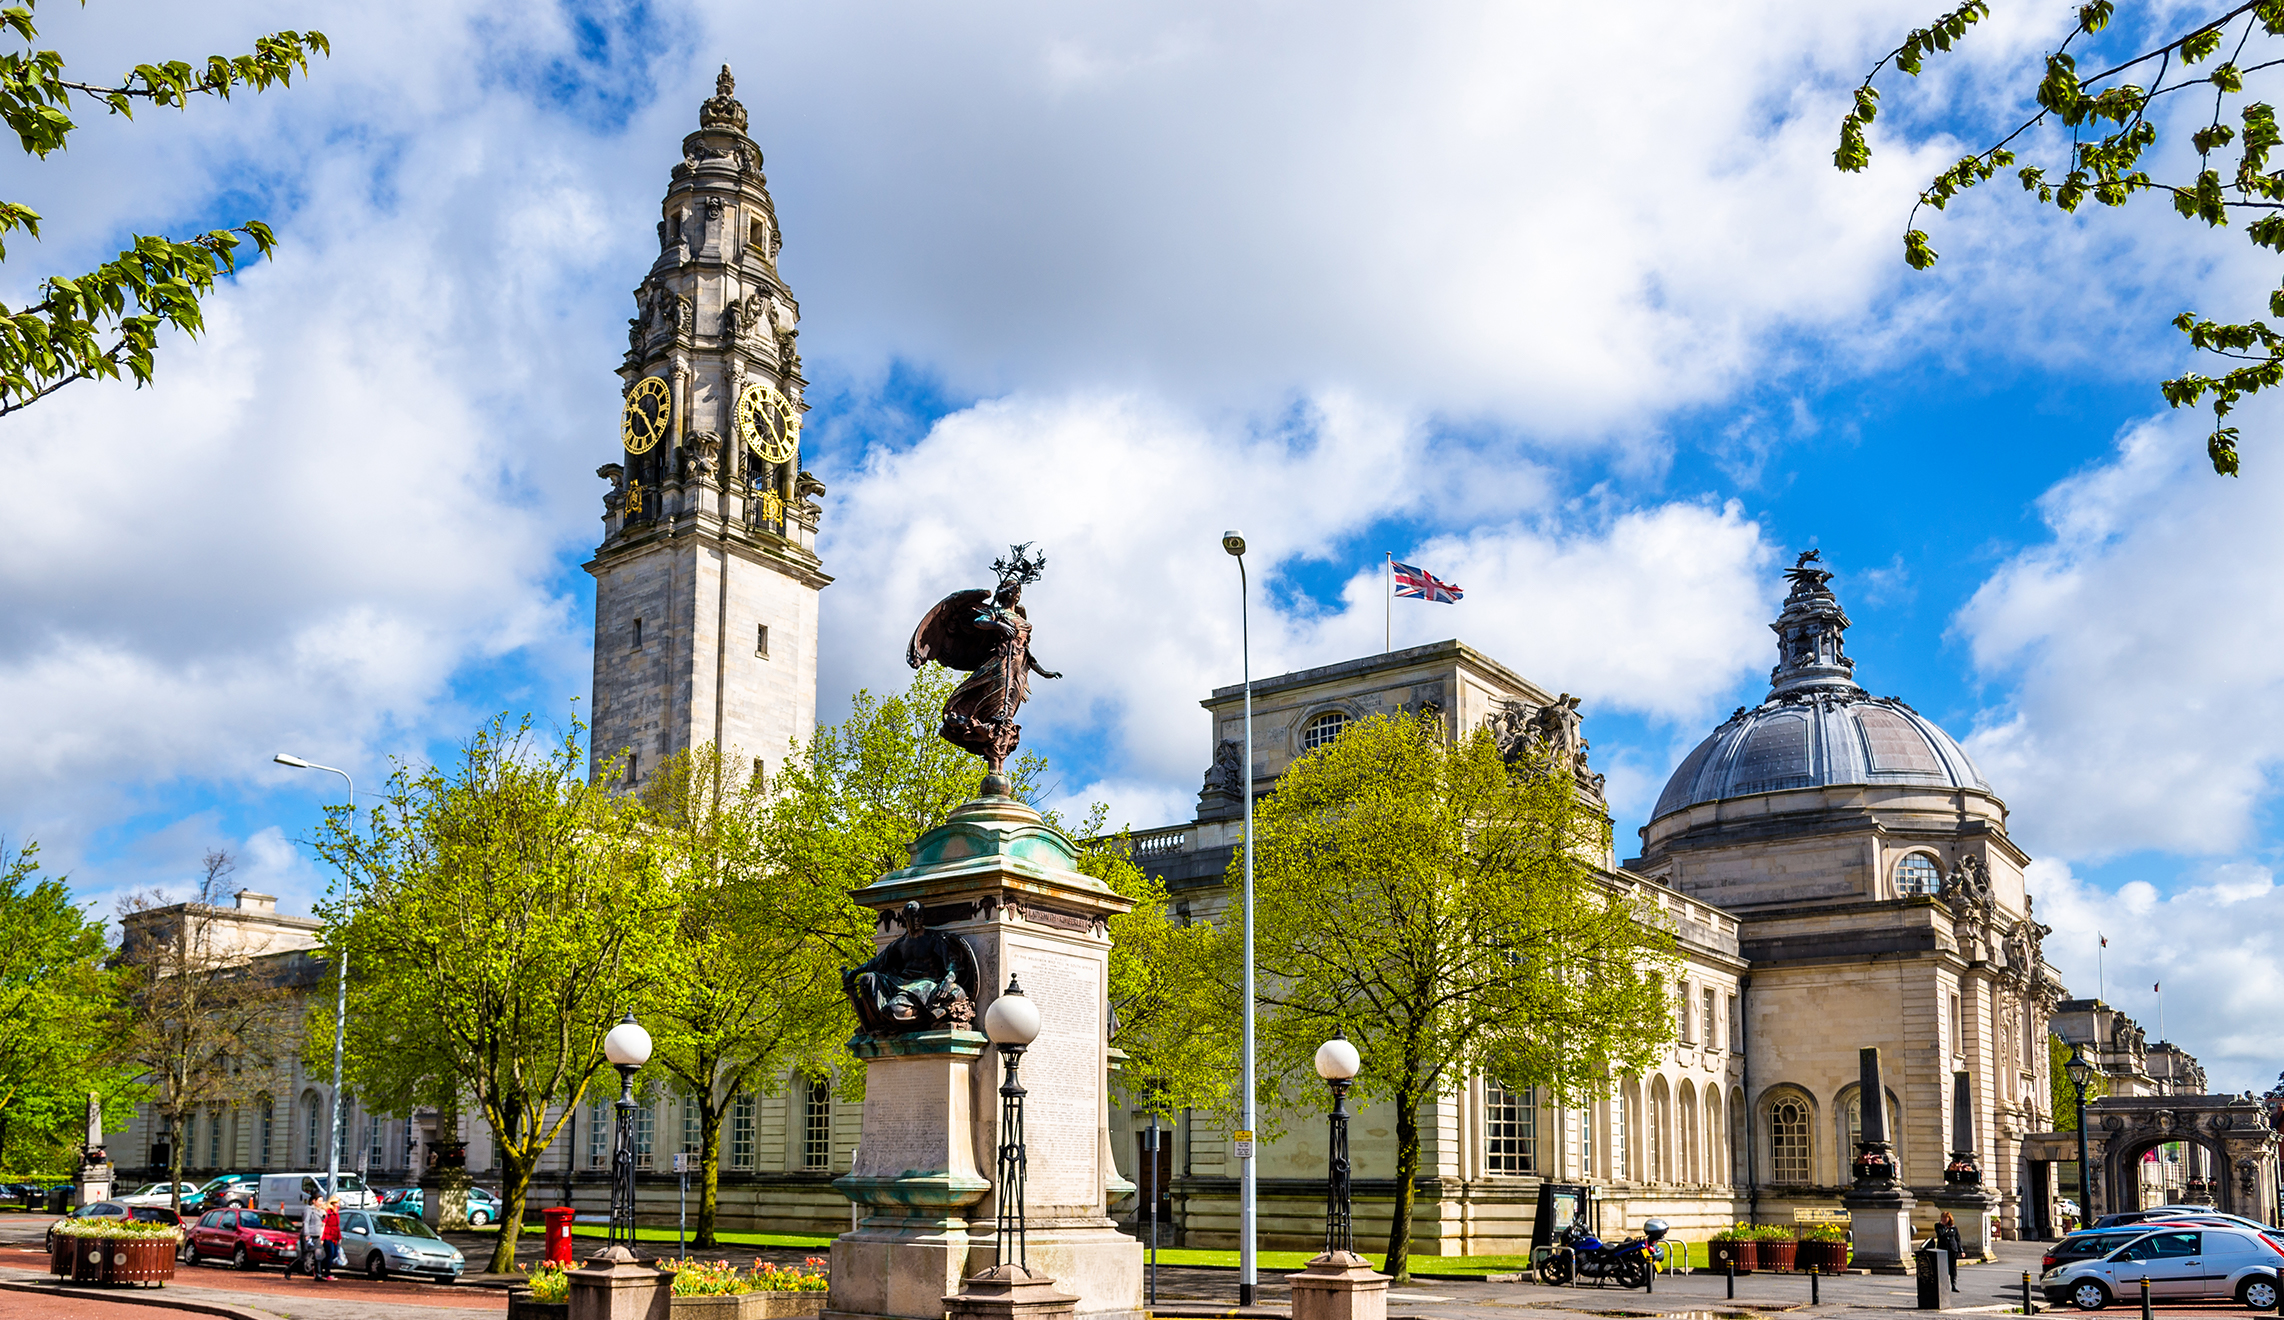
column 265, row 1116
column 1322, row 729
column 1917, row 874
column 1788, row 1143
column 1716, row 1139
column 1685, row 1108
column 214, row 1140
column 1852, row 1124
column 1631, row 1098
column 1661, row 1131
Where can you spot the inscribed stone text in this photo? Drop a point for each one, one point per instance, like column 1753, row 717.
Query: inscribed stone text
column 1062, row 1071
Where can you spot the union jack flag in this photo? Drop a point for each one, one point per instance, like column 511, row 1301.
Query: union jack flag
column 1420, row 584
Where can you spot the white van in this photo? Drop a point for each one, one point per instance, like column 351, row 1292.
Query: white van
column 287, row 1193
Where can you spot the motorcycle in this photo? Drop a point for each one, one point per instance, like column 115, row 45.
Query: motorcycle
column 1578, row 1254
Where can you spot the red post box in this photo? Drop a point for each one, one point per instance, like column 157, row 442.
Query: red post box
column 558, row 1219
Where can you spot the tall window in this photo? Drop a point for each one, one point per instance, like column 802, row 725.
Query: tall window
column 1586, row 1141
column 645, row 1128
column 1510, row 1130
column 691, row 1129
column 269, row 1113
column 376, row 1141
column 1681, row 1012
column 1618, row 1126
column 1788, row 1143
column 1323, row 729
column 312, row 1123
column 599, row 1125
column 1712, row 1024
column 1958, row 1028
column 817, row 1126
column 1685, row 1109
column 214, row 1140
column 1661, row 1131
column 741, row 1133
column 1916, row 874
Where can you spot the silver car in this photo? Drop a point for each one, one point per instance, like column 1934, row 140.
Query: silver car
column 2180, row 1263
column 385, row 1244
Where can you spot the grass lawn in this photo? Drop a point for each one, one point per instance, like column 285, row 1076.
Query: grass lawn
column 804, row 1241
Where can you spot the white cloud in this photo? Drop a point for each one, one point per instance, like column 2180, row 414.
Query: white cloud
column 2209, row 946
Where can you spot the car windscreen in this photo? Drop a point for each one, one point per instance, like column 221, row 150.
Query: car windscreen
column 351, row 1183
column 156, row 1214
column 276, row 1223
column 401, row 1226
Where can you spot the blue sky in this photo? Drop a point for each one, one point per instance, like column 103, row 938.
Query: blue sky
column 1606, row 347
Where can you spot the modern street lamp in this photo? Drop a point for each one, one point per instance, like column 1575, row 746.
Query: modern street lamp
column 340, row 995
column 628, row 1048
column 1012, row 1023
column 2081, row 1072
column 1247, row 1265
column 1337, row 1062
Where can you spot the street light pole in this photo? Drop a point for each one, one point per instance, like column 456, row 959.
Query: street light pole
column 2081, row 1073
column 1337, row 1062
column 1247, row 1265
column 1012, row 1023
column 627, row 1047
column 340, row 995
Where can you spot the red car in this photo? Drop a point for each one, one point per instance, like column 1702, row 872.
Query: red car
column 246, row 1238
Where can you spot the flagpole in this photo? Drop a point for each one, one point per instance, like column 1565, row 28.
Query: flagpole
column 1388, row 601
column 2101, row 978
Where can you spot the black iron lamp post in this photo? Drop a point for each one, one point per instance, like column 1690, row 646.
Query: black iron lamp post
column 628, row 1048
column 1337, row 1062
column 1012, row 1023
column 2081, row 1072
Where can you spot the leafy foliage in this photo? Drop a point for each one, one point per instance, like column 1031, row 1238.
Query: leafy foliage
column 2110, row 134
column 1442, row 912
column 63, row 1011
column 156, row 281
column 2060, row 1092
column 497, row 919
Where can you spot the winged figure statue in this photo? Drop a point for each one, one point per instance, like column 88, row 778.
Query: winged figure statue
column 987, row 634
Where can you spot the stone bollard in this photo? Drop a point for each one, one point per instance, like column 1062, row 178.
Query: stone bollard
column 1339, row 1285
column 616, row 1286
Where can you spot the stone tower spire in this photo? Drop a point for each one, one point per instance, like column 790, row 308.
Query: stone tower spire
column 706, row 581
column 1810, row 633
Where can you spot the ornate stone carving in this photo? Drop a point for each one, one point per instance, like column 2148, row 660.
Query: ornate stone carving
column 1224, row 776
column 722, row 109
column 924, row 980
column 702, row 456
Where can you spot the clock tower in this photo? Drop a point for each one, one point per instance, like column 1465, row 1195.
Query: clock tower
column 706, row 581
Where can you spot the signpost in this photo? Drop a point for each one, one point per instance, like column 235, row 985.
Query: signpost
column 684, row 1161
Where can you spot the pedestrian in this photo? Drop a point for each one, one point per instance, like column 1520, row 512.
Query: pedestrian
column 1947, row 1241
column 332, row 1232
column 312, row 1240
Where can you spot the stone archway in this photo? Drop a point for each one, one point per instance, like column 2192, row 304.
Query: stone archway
column 2121, row 1171
column 2233, row 1130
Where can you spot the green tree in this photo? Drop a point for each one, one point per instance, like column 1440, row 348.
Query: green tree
column 1167, row 1008
column 1446, row 913
column 63, row 1010
column 753, row 991
column 2063, row 1095
column 2102, row 138
column 497, row 920
column 201, row 1008
column 59, row 338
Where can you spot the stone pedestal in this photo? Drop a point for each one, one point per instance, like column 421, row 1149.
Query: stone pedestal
column 1880, row 1228
column 1973, row 1210
column 997, row 875
column 1009, row 1292
column 616, row 1286
column 1339, row 1285
column 444, row 1200
column 95, row 1183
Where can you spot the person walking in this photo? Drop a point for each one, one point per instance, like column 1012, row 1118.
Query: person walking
column 332, row 1232
column 1947, row 1242
column 312, row 1240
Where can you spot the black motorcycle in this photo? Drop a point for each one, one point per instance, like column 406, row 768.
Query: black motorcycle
column 1578, row 1254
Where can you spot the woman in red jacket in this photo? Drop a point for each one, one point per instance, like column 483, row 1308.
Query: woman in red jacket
column 332, row 1253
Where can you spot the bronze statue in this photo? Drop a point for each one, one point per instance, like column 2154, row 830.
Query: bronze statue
column 923, row 980
column 988, row 634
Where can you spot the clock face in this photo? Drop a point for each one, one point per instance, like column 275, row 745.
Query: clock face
column 768, row 423
column 648, row 410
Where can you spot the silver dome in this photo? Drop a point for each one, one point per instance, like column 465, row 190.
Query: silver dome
column 1817, row 726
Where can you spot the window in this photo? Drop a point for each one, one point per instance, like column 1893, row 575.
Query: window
column 1618, row 1126
column 1788, row 1143
column 817, row 1126
column 1916, row 874
column 1958, row 1028
column 760, row 774
column 599, row 1135
column 638, row 634
column 645, row 1128
column 1681, row 1012
column 214, row 1140
column 1661, row 1131
column 691, row 1128
column 1712, row 1038
column 755, row 235
column 761, row 640
column 1321, row 730
column 310, row 1131
column 1510, row 1130
column 2029, row 1061
column 634, row 765
column 376, row 1142
column 741, row 1133
column 1586, row 1141
column 269, row 1110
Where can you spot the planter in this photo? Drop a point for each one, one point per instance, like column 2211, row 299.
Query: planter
column 143, row 1260
column 1776, row 1256
column 59, row 1256
column 749, row 1306
column 90, row 1259
column 521, row 1307
column 1823, row 1257
column 1737, row 1256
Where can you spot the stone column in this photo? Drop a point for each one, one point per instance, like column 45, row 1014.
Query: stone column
column 1971, row 1204
column 1339, row 1285
column 1879, row 1207
column 616, row 1286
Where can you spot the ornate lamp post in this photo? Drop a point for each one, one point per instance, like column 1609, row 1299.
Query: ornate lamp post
column 2081, row 1072
column 1012, row 1023
column 628, row 1048
column 1337, row 1062
column 1247, row 1264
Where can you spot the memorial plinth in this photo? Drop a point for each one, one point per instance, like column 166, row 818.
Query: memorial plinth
column 999, row 876
column 1972, row 1205
column 1339, row 1285
column 1878, row 1204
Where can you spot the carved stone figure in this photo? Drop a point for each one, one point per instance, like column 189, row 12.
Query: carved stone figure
column 989, row 635
column 702, row 454
column 924, row 980
column 1223, row 776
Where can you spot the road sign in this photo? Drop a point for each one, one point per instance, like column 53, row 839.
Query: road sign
column 1819, row 1216
column 1244, row 1144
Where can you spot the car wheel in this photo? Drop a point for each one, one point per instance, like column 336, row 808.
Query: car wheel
column 375, row 1267
column 2257, row 1293
column 2089, row 1295
column 240, row 1259
column 186, row 1252
column 479, row 1218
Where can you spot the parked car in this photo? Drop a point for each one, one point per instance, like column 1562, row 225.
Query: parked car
column 2173, row 1213
column 155, row 1214
column 160, row 1194
column 483, row 1207
column 2090, row 1244
column 286, row 1193
column 245, row 1238
column 2180, row 1264
column 228, row 1191
column 385, row 1244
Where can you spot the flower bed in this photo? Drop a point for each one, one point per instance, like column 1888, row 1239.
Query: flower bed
column 1823, row 1248
column 115, row 1250
column 1733, row 1250
column 718, row 1290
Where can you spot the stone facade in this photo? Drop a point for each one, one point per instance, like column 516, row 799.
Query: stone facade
column 707, row 578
